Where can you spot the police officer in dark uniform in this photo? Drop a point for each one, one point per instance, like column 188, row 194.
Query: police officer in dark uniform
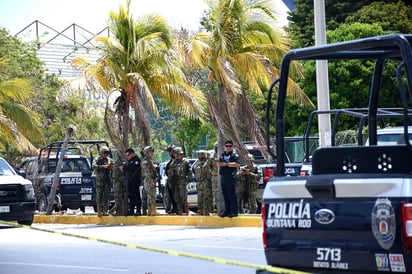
column 133, row 174
column 229, row 162
column 171, row 184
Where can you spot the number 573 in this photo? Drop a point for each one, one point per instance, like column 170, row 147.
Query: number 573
column 328, row 254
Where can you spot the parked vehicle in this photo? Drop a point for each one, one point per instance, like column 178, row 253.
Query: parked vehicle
column 354, row 213
column 385, row 135
column 76, row 185
column 17, row 201
column 392, row 136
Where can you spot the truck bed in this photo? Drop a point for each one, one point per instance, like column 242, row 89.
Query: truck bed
column 350, row 219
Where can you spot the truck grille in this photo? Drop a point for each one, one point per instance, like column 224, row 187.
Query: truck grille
column 11, row 193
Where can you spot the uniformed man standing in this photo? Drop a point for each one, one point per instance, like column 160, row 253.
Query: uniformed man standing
column 248, row 181
column 103, row 165
column 181, row 170
column 229, row 162
column 149, row 175
column 203, row 174
column 119, row 186
column 134, row 177
column 216, row 192
column 171, row 182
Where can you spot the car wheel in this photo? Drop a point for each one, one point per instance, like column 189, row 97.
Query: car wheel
column 41, row 203
column 246, row 210
column 26, row 222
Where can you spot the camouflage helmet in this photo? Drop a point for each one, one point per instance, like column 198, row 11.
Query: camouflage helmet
column 178, row 150
column 104, row 149
column 147, row 149
column 202, row 153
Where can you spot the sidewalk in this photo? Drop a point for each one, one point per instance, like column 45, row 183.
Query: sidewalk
column 244, row 220
column 90, row 217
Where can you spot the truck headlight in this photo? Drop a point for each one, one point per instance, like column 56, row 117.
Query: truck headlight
column 28, row 192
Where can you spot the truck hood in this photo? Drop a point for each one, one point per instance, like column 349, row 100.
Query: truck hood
column 13, row 179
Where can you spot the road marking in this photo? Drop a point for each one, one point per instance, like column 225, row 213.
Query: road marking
column 165, row 251
column 66, row 266
column 227, row 247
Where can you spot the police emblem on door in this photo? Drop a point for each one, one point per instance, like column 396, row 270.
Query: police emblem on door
column 383, row 223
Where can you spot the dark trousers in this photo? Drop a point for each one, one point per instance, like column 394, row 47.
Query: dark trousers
column 170, row 188
column 135, row 201
column 228, row 185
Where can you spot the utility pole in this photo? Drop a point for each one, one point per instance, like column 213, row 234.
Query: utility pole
column 322, row 76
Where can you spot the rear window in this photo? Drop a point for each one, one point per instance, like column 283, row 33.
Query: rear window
column 69, row 165
column 392, row 139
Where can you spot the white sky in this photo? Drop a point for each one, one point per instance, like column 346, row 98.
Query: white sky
column 93, row 14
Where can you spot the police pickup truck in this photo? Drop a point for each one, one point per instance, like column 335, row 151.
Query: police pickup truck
column 76, row 188
column 354, row 213
column 17, row 201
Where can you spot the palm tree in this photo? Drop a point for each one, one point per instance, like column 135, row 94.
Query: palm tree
column 141, row 64
column 241, row 49
column 18, row 124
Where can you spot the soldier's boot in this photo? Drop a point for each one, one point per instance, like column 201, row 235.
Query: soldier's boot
column 153, row 211
column 206, row 212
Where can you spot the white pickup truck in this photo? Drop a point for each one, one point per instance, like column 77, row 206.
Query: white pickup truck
column 354, row 213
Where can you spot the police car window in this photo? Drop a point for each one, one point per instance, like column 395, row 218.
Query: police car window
column 388, row 139
column 81, row 165
column 66, row 166
column 392, row 139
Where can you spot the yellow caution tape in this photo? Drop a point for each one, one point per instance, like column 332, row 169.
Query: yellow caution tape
column 271, row 269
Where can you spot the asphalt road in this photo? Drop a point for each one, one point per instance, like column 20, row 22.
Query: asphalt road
column 150, row 249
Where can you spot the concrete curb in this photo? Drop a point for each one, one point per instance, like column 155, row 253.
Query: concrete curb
column 213, row 221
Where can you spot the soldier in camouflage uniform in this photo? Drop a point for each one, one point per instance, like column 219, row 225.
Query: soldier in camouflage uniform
column 149, row 175
column 141, row 189
column 215, row 179
column 181, row 171
column 248, row 181
column 119, row 186
column 203, row 174
column 103, row 166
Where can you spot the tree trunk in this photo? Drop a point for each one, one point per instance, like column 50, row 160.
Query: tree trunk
column 220, row 143
column 52, row 196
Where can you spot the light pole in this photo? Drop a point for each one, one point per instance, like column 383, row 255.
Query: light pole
column 322, row 75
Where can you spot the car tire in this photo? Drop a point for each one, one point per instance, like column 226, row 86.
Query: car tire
column 26, row 222
column 41, row 202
